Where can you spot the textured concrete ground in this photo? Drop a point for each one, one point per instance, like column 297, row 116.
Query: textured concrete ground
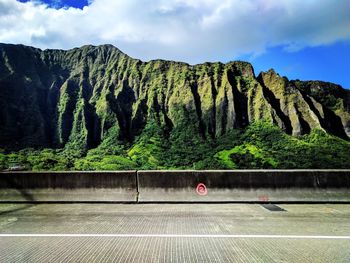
column 174, row 233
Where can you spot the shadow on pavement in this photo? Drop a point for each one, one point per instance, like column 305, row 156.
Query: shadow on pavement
column 16, row 208
column 10, row 183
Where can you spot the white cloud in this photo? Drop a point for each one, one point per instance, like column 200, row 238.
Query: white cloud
column 187, row 30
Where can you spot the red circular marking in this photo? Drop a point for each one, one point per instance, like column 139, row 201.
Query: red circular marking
column 201, row 189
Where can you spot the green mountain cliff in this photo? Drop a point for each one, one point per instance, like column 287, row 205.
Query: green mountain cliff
column 97, row 108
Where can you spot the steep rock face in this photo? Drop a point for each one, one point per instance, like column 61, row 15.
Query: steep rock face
column 293, row 111
column 52, row 98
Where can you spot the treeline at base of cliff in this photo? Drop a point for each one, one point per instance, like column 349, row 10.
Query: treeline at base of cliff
column 96, row 108
column 260, row 146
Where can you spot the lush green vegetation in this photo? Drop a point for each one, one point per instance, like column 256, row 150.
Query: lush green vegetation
column 95, row 108
column 261, row 145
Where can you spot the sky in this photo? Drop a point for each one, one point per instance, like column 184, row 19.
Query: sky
column 300, row 39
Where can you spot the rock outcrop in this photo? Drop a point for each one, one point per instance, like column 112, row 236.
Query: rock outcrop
column 82, row 96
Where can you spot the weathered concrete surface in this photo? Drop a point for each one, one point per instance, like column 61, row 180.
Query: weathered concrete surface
column 177, row 186
column 179, row 219
column 245, row 185
column 68, row 186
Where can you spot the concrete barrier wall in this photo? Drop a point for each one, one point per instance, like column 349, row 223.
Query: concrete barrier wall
column 68, row 186
column 177, row 186
column 244, row 185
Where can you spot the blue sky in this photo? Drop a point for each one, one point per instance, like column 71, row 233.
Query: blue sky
column 328, row 63
column 301, row 39
column 63, row 3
